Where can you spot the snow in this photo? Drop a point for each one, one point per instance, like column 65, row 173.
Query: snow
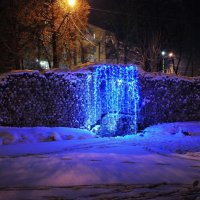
column 51, row 162
column 15, row 135
column 178, row 137
column 84, row 69
column 5, row 76
column 87, row 68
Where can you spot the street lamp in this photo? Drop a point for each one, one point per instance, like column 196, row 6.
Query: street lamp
column 171, row 56
column 167, row 57
column 163, row 53
column 72, row 3
column 56, row 33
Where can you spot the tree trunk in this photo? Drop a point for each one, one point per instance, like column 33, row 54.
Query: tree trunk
column 117, row 52
column 39, row 48
column 55, row 50
column 17, row 63
column 192, row 71
column 99, row 51
column 22, row 63
column 179, row 60
column 82, row 54
column 75, row 57
column 188, row 63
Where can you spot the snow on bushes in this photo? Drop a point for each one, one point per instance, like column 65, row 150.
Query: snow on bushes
column 167, row 98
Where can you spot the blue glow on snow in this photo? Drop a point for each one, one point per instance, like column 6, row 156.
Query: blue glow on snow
column 112, row 89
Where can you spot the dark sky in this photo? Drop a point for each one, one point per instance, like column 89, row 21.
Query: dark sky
column 167, row 10
column 170, row 16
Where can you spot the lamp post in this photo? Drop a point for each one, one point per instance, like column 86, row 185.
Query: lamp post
column 171, row 56
column 163, row 53
column 56, row 33
column 167, row 57
column 71, row 3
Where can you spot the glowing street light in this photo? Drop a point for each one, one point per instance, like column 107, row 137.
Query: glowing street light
column 72, row 3
column 163, row 53
column 169, row 56
column 172, row 56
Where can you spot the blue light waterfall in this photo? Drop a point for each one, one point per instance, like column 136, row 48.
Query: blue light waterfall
column 113, row 98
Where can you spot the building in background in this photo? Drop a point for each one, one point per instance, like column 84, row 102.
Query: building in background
column 94, row 46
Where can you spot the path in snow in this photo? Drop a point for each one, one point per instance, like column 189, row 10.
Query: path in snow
column 111, row 167
column 135, row 170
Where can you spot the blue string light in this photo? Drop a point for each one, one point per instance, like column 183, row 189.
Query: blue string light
column 112, row 90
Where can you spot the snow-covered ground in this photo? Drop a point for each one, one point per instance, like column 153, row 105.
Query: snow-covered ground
column 162, row 162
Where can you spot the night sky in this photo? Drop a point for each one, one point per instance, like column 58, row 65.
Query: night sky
column 191, row 7
column 167, row 13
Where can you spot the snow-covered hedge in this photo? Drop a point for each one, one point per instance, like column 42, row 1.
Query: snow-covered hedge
column 168, row 98
column 34, row 99
column 58, row 98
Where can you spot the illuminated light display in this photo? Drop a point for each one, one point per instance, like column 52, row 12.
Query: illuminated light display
column 112, row 90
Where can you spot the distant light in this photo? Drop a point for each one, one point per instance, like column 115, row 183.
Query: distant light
column 44, row 64
column 171, row 54
column 72, row 3
column 163, row 53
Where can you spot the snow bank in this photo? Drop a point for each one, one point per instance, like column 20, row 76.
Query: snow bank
column 11, row 135
column 173, row 138
column 177, row 138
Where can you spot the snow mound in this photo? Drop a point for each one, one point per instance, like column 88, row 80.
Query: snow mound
column 8, row 138
column 12, row 135
column 178, row 137
column 169, row 138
